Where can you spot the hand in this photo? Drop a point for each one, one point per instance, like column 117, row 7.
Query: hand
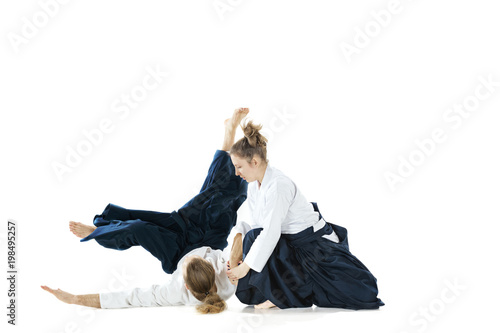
column 61, row 295
column 238, row 272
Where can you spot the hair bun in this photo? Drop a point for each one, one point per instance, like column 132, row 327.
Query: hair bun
column 251, row 132
column 252, row 143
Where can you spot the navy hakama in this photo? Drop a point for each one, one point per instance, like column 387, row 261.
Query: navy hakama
column 306, row 269
column 205, row 220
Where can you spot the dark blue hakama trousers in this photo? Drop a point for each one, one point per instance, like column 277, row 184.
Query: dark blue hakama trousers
column 306, row 269
column 205, row 220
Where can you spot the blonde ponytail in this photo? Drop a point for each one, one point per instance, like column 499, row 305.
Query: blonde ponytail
column 212, row 304
column 200, row 279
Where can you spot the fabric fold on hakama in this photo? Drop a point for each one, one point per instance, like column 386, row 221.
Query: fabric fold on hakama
column 205, row 220
column 306, row 269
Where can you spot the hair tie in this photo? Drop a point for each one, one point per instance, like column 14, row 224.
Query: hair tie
column 206, row 293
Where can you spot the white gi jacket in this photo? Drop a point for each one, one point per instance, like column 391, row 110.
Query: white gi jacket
column 278, row 207
column 173, row 292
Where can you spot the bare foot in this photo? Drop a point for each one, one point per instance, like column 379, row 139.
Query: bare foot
column 238, row 115
column 61, row 295
column 81, row 230
column 266, row 305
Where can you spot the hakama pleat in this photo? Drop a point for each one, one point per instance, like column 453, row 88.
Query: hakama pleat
column 306, row 269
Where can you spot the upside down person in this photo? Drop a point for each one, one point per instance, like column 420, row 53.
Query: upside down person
column 188, row 242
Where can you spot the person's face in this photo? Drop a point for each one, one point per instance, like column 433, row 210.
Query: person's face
column 247, row 171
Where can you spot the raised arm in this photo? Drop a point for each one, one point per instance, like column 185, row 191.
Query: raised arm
column 241, row 229
column 236, row 251
column 235, row 257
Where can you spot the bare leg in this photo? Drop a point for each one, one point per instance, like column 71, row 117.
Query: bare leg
column 90, row 300
column 81, row 230
column 231, row 125
column 265, row 305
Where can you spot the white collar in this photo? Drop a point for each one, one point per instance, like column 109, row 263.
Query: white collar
column 267, row 176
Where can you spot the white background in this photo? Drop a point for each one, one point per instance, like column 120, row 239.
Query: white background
column 336, row 126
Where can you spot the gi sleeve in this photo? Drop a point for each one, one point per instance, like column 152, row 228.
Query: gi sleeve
column 242, row 227
column 278, row 200
column 169, row 293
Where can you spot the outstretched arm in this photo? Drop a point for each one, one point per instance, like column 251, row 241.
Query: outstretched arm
column 90, row 300
column 171, row 293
